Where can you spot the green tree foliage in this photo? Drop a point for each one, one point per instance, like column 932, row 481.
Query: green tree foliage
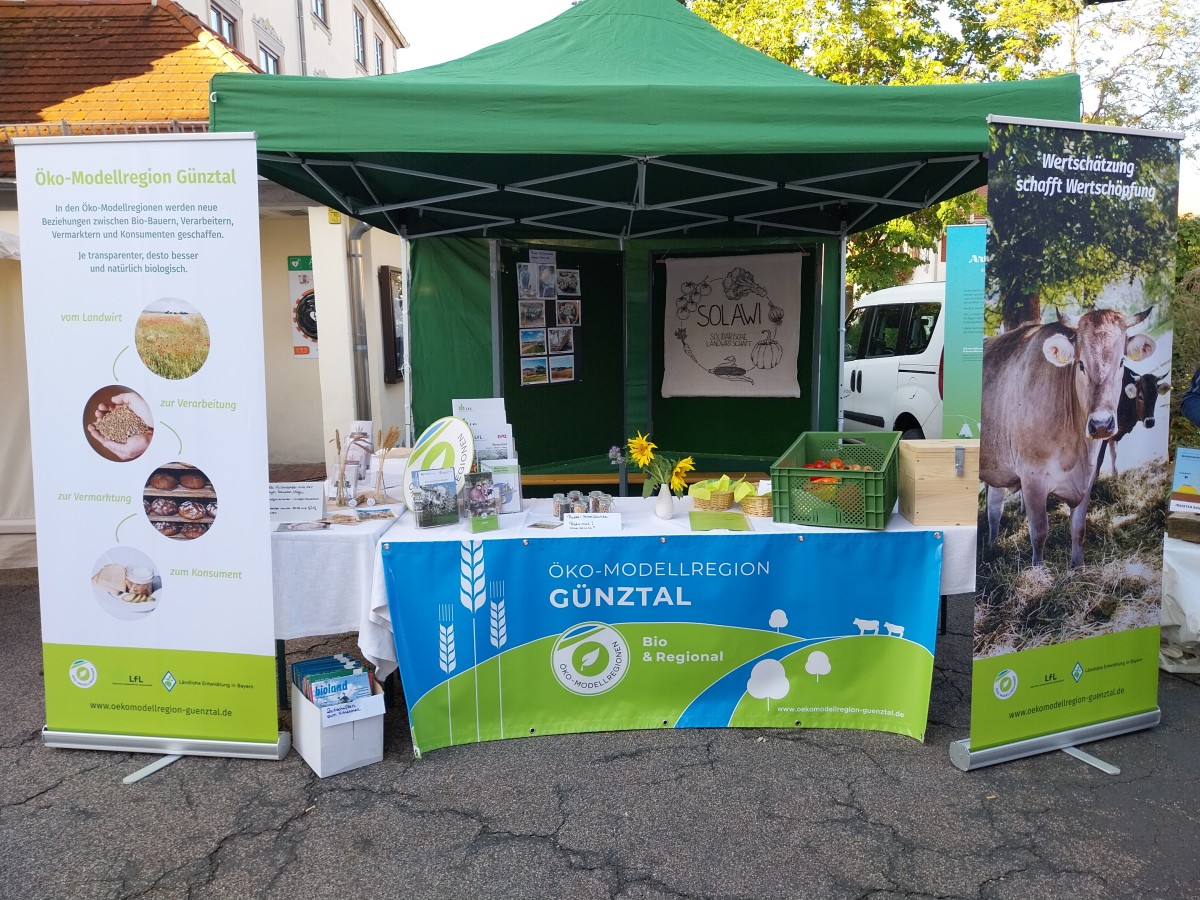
column 1139, row 61
column 901, row 43
column 1186, row 310
column 1187, row 259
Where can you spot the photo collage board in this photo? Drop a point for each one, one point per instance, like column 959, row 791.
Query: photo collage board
column 550, row 319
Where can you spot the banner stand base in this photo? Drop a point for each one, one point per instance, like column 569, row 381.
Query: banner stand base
column 1094, row 761
column 78, row 740
column 161, row 763
column 966, row 759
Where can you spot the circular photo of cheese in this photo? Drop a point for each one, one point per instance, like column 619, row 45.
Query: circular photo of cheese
column 126, row 583
column 171, row 338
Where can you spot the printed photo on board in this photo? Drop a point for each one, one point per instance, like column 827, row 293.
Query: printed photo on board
column 533, row 371
column 568, row 312
column 533, row 341
column 568, row 282
column 527, row 282
column 533, row 313
column 562, row 340
column 562, row 368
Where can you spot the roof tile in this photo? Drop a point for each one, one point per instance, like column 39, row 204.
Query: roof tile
column 114, row 61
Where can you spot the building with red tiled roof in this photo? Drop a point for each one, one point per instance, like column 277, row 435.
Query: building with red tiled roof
column 111, row 67
column 121, row 67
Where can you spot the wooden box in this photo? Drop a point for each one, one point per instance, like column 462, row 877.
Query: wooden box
column 939, row 481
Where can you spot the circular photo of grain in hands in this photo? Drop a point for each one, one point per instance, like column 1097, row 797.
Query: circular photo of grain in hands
column 117, row 423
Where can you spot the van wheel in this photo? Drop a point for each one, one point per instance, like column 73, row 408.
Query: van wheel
column 912, row 434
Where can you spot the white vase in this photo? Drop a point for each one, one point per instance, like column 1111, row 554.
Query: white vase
column 664, row 503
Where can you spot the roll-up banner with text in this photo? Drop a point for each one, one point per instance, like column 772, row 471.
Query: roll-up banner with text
column 510, row 638
column 966, row 254
column 143, row 321
column 1073, row 445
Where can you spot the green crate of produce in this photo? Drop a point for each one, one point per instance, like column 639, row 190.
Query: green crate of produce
column 858, row 498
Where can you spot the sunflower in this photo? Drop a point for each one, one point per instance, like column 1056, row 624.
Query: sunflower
column 641, row 449
column 678, row 481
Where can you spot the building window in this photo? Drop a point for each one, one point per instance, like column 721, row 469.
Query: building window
column 360, row 39
column 223, row 24
column 318, row 8
column 268, row 61
column 378, row 57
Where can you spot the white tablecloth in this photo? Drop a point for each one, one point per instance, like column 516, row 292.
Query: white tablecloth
column 1180, row 615
column 637, row 519
column 322, row 579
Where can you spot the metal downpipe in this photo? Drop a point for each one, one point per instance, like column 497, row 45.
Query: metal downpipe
column 358, row 322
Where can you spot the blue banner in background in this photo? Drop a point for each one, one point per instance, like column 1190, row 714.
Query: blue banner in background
column 505, row 638
column 966, row 255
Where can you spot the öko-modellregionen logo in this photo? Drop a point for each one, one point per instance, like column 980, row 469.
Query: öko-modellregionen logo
column 590, row 658
column 83, row 673
column 1005, row 684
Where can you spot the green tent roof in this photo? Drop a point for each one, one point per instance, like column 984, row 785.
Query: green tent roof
column 623, row 118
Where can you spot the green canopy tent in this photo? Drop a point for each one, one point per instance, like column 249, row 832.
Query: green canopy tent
column 637, row 124
column 623, row 119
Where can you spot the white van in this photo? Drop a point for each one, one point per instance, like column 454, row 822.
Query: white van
column 892, row 374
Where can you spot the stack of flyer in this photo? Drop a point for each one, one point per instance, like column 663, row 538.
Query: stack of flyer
column 495, row 449
column 332, row 680
column 337, row 714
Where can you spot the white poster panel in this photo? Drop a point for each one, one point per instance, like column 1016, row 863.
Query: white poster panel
column 143, row 321
column 732, row 326
column 304, row 307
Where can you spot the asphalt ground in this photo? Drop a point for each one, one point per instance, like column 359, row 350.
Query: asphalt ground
column 713, row 814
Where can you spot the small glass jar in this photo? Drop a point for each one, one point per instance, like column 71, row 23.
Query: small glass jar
column 603, row 503
column 559, row 505
column 580, row 505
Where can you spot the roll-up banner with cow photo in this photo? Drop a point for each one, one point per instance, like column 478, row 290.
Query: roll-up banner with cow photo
column 1073, row 440
column 143, row 324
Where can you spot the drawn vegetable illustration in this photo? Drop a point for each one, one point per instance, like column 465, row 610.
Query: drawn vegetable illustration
column 690, row 293
column 767, row 352
column 728, row 369
column 774, row 313
column 740, row 282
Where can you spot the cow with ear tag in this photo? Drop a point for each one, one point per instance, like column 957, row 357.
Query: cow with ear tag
column 1139, row 397
column 1050, row 395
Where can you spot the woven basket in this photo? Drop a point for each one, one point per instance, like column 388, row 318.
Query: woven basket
column 719, row 500
column 757, row 506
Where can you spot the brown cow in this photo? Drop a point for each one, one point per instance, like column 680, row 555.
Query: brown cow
column 1139, row 397
column 1050, row 397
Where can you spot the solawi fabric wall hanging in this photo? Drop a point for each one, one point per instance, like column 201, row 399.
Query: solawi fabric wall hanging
column 732, row 326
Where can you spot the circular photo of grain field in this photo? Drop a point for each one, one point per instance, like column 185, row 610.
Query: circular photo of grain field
column 117, row 423
column 171, row 338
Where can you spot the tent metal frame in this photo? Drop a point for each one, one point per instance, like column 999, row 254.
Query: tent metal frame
column 769, row 217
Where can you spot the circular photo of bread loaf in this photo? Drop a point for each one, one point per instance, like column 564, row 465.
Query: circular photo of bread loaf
column 117, row 423
column 171, row 338
column 126, row 583
column 179, row 501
